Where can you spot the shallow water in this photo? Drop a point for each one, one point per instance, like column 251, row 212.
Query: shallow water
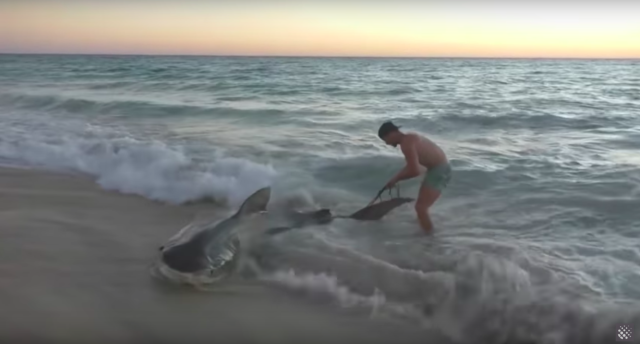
column 537, row 235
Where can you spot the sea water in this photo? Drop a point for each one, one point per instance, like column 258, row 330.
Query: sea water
column 537, row 236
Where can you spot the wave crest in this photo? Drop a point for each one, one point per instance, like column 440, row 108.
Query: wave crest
column 119, row 162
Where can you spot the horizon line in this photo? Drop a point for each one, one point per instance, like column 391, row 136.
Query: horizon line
column 322, row 56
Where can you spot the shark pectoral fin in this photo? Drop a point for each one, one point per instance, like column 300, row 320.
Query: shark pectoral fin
column 255, row 203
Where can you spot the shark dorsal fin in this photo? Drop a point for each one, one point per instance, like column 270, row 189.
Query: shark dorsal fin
column 255, row 203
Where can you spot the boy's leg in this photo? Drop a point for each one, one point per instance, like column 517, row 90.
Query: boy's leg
column 434, row 182
column 426, row 198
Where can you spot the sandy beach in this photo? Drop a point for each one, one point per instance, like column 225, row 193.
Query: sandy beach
column 74, row 265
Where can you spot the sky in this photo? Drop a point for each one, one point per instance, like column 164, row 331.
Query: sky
column 400, row 28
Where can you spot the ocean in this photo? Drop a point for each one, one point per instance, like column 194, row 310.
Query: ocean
column 537, row 236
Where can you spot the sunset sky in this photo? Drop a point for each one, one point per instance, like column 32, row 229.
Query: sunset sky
column 608, row 29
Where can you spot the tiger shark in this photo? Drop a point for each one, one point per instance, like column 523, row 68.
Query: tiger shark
column 215, row 248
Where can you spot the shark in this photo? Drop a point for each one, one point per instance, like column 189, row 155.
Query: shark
column 214, row 249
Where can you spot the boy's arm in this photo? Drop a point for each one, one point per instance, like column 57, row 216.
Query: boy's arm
column 412, row 167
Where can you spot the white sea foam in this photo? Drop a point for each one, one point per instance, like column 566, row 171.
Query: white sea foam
column 328, row 288
column 126, row 164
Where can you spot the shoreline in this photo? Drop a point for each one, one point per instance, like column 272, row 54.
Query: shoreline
column 74, row 261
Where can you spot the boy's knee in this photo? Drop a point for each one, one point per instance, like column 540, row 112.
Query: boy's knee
column 420, row 207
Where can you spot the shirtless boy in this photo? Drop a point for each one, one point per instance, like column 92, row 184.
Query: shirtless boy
column 418, row 150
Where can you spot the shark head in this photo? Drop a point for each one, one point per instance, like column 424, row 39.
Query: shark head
column 214, row 248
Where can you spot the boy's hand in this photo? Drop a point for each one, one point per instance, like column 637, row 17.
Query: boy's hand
column 391, row 183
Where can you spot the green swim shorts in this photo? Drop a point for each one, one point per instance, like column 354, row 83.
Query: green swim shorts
column 437, row 177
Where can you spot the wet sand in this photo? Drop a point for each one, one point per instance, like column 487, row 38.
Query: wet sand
column 74, row 268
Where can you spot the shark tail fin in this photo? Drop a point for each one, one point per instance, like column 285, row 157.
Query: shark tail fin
column 255, row 203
